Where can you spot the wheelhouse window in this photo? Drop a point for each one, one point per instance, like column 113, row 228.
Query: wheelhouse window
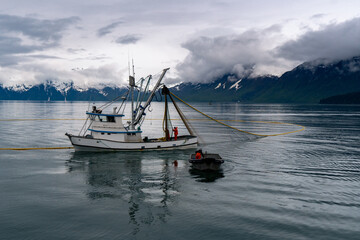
column 110, row 118
column 106, row 118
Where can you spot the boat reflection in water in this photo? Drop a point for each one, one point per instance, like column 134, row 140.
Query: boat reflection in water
column 144, row 183
column 206, row 175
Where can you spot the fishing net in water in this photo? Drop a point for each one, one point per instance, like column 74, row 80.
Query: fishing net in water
column 212, row 132
column 218, row 123
column 221, row 123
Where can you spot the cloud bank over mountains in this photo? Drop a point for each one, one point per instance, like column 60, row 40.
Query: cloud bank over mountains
column 90, row 43
column 245, row 54
column 334, row 41
column 250, row 54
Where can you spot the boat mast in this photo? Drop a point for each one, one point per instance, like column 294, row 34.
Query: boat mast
column 142, row 108
column 184, row 120
column 166, row 118
column 132, row 85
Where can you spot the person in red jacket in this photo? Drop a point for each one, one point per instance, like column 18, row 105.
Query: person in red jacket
column 199, row 154
column 176, row 132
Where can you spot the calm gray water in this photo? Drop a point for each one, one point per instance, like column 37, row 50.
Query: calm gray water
column 298, row 186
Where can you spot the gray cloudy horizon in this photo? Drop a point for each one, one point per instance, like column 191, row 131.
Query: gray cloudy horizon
column 90, row 43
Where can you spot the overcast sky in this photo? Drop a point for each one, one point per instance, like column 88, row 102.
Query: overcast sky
column 89, row 42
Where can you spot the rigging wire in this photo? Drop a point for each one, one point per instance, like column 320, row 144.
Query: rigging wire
column 243, row 131
column 112, row 101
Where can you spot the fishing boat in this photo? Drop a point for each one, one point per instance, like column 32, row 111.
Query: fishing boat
column 106, row 131
column 207, row 161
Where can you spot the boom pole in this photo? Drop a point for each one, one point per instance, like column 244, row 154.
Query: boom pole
column 132, row 85
column 143, row 108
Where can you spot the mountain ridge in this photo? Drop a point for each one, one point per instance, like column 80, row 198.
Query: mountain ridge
column 54, row 91
column 309, row 82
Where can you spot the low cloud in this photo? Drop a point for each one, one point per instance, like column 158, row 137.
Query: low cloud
column 104, row 75
column 32, row 74
column 262, row 52
column 108, row 29
column 247, row 54
column 128, row 39
column 335, row 41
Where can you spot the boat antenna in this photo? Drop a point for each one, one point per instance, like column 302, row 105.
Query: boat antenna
column 129, row 62
column 132, row 86
column 133, row 68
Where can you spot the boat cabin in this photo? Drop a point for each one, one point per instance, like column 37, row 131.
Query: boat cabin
column 110, row 127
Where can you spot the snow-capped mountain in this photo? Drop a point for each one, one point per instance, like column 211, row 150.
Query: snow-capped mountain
column 227, row 88
column 307, row 83
column 59, row 91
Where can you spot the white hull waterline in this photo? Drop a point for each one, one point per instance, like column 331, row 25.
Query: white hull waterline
column 92, row 144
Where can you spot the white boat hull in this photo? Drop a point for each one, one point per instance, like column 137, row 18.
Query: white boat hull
column 92, row 144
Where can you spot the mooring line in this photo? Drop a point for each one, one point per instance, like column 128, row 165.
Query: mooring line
column 36, row 148
column 40, row 119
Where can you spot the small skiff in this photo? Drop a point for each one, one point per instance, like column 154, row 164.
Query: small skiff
column 209, row 161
